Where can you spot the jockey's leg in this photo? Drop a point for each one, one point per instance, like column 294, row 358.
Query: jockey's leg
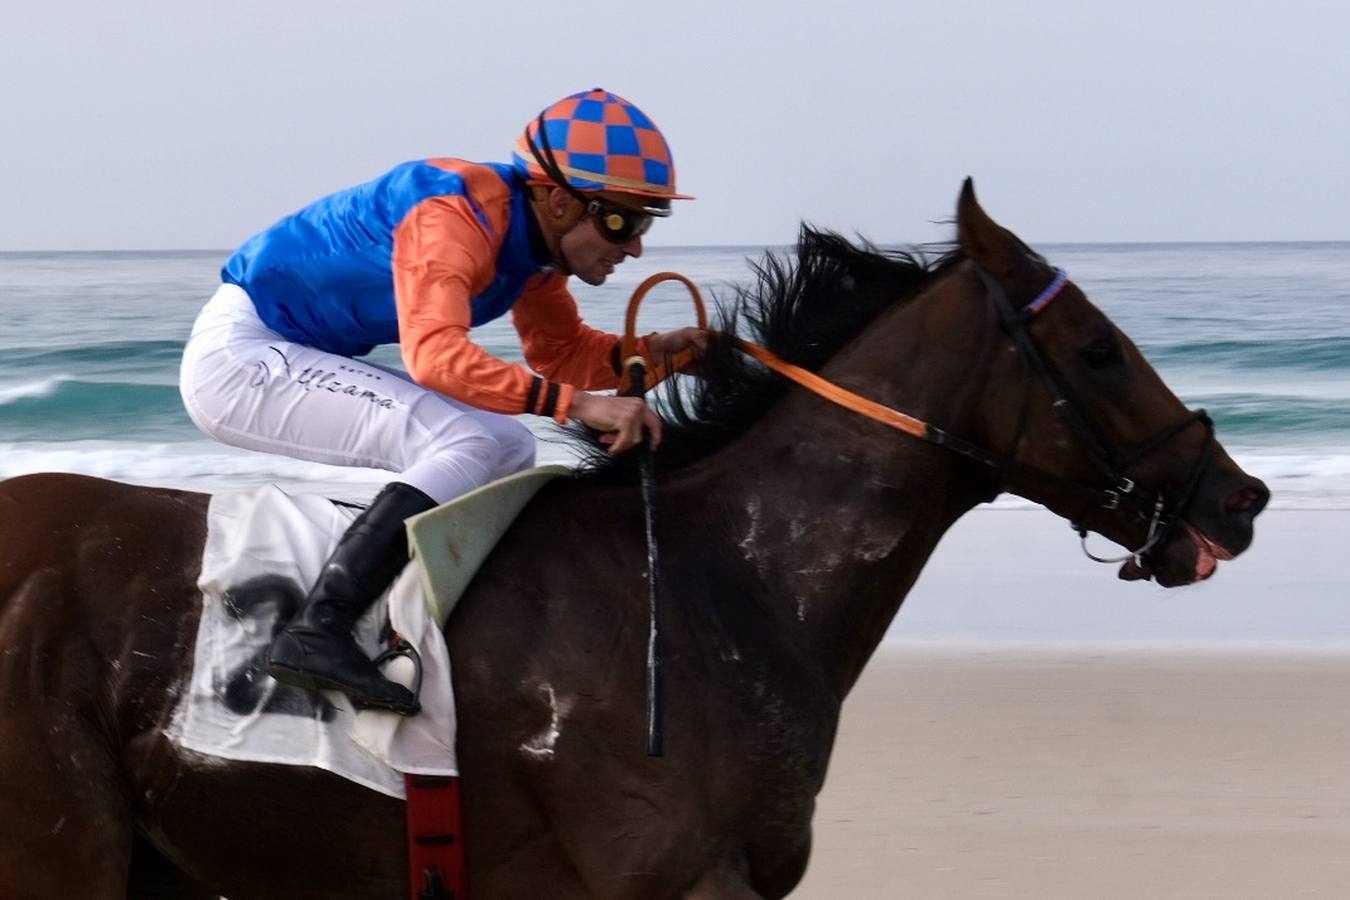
column 247, row 386
column 437, row 471
column 317, row 649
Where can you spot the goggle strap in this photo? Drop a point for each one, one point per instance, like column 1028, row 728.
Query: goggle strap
column 549, row 163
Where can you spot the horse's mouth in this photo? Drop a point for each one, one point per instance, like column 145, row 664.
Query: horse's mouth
column 1208, row 553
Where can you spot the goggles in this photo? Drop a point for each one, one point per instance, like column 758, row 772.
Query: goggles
column 617, row 224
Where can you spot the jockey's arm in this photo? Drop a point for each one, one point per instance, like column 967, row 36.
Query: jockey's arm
column 560, row 346
column 443, row 256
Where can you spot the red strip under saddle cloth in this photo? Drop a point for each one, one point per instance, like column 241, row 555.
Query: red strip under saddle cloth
column 435, row 839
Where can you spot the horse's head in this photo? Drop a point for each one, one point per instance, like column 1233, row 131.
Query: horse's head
column 1090, row 429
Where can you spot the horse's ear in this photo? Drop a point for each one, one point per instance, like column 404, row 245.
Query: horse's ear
column 985, row 241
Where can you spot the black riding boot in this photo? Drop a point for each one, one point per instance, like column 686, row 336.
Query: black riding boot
column 317, row 649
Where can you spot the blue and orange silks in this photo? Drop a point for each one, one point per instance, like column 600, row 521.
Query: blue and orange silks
column 417, row 257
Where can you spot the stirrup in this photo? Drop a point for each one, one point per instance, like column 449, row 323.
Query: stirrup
column 407, row 651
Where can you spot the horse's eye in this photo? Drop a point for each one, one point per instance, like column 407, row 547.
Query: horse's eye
column 1103, row 352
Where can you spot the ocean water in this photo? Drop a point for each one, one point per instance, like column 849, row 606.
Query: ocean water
column 1259, row 334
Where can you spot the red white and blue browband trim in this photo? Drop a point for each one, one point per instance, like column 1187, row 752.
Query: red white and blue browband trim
column 1051, row 291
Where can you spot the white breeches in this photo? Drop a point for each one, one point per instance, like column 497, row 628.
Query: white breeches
column 245, row 385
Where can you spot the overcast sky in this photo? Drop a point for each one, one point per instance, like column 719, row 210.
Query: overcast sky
column 192, row 124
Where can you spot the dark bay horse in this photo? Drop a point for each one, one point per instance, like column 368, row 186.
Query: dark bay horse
column 790, row 528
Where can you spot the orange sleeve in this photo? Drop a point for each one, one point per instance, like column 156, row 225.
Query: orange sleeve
column 444, row 254
column 558, row 344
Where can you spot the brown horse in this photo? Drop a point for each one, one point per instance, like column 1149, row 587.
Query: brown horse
column 790, row 528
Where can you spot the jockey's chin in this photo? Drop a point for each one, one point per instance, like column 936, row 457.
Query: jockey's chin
column 591, row 256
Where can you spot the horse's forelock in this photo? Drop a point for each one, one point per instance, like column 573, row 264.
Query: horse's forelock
column 804, row 307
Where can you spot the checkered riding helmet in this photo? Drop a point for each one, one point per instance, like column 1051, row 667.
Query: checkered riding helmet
column 598, row 141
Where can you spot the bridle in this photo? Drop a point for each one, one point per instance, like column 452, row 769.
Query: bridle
column 1115, row 488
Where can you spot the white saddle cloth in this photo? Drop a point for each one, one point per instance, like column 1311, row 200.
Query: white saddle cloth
column 263, row 550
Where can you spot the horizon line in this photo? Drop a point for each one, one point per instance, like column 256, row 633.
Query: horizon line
column 738, row 246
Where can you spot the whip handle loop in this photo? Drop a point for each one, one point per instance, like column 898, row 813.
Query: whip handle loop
column 653, row 375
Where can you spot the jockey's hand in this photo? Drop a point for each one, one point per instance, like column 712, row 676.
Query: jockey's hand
column 621, row 420
column 673, row 342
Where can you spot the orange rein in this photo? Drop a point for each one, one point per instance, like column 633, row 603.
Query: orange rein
column 807, row 379
column 628, row 346
column 834, row 393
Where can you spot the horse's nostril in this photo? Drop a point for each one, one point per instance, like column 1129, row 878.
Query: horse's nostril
column 1249, row 500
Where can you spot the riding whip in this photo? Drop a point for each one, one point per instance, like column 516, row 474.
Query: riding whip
column 638, row 377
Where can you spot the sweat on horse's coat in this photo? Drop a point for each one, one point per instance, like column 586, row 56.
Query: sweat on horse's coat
column 540, row 747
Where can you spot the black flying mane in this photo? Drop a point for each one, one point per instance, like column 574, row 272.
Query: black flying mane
column 804, row 310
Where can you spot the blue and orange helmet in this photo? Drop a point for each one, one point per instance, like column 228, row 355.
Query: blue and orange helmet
column 598, row 141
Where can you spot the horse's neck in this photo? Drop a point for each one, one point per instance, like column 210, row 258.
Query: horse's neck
column 831, row 517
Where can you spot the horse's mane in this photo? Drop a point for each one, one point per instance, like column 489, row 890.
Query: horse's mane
column 803, row 309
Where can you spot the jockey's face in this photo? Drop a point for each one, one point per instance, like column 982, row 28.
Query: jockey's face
column 588, row 252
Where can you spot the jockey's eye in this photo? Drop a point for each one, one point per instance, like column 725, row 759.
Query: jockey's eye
column 1103, row 352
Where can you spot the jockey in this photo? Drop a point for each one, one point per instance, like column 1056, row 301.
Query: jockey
column 417, row 257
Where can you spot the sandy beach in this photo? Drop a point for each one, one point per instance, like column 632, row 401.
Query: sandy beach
column 1101, row 766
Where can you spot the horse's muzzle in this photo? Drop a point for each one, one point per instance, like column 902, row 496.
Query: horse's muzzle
column 1217, row 527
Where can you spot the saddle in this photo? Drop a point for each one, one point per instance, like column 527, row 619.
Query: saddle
column 450, row 542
